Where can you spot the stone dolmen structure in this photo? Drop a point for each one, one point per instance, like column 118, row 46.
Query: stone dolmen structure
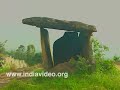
column 75, row 41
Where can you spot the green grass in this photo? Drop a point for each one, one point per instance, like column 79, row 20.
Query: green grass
column 94, row 81
column 4, row 69
column 106, row 77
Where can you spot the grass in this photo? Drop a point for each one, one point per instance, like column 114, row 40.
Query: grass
column 94, row 81
column 106, row 77
column 4, row 69
column 12, row 64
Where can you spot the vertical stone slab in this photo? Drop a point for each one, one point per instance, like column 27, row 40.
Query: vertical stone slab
column 46, row 52
column 87, row 49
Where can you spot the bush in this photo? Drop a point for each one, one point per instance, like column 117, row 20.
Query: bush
column 116, row 58
column 105, row 66
column 4, row 69
column 102, row 65
column 98, row 49
column 81, row 64
column 1, row 60
column 2, row 47
column 29, row 55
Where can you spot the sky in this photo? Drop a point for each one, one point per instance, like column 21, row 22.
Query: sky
column 104, row 14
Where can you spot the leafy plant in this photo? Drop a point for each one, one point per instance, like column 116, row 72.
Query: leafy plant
column 116, row 58
column 98, row 49
column 20, row 53
column 30, row 52
column 29, row 55
column 2, row 52
column 105, row 66
column 2, row 46
column 81, row 64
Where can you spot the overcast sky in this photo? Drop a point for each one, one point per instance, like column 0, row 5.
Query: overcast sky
column 104, row 14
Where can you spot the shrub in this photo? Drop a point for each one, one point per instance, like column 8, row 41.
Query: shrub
column 28, row 55
column 116, row 58
column 36, row 59
column 98, row 49
column 81, row 64
column 15, row 63
column 1, row 60
column 105, row 66
column 4, row 69
column 2, row 47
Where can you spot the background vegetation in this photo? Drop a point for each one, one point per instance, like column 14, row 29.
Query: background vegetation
column 105, row 77
column 28, row 54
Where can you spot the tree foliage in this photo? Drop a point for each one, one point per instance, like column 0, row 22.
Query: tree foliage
column 2, row 46
column 98, row 49
column 20, row 53
column 102, row 64
column 2, row 52
column 28, row 54
column 116, row 58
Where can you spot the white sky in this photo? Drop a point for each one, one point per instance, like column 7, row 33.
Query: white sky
column 104, row 14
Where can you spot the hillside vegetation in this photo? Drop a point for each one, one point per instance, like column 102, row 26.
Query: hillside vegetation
column 105, row 77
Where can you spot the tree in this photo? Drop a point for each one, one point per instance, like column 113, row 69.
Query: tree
column 37, row 58
column 2, row 52
column 30, row 52
column 28, row 55
column 98, row 49
column 2, row 48
column 20, row 53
